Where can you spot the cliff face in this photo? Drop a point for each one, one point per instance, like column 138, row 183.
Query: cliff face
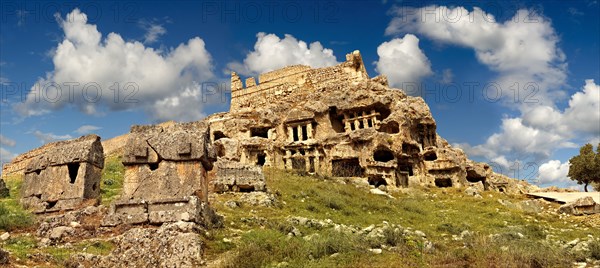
column 337, row 121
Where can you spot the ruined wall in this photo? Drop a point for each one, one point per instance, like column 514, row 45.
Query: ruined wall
column 298, row 81
column 63, row 176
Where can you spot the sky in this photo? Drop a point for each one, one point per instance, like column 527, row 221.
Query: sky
column 514, row 84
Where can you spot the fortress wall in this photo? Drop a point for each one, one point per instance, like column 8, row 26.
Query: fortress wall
column 297, row 80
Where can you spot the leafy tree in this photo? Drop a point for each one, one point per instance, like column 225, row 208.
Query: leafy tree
column 585, row 167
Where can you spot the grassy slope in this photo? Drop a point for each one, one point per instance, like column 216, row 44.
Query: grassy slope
column 440, row 213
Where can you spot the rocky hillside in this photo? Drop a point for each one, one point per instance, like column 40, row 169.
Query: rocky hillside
column 306, row 221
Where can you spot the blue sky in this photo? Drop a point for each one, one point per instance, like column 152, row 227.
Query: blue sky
column 514, row 84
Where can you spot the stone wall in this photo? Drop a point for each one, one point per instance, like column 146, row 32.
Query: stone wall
column 297, row 80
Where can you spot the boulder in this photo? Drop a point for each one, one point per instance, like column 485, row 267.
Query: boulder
column 171, row 245
column 581, row 206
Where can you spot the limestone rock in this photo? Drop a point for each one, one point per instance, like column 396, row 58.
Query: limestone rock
column 167, row 246
column 236, row 177
column 64, row 176
column 581, row 206
column 167, row 161
column 336, row 121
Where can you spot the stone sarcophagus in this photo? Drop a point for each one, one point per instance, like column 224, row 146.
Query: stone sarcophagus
column 64, row 176
column 165, row 174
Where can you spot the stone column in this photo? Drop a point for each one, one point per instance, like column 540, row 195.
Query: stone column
column 375, row 121
column 290, row 134
column 317, row 161
column 299, row 132
column 288, row 159
column 347, row 123
column 309, row 129
column 365, row 120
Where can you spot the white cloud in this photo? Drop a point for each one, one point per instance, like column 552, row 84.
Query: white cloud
column 583, row 113
column 523, row 49
column 271, row 53
column 7, row 141
column 447, row 76
column 50, row 137
column 402, row 61
column 553, row 171
column 153, row 31
column 86, row 129
column 145, row 77
column 5, row 156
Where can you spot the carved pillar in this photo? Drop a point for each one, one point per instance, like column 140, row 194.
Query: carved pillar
column 365, row 120
column 356, row 122
column 375, row 121
column 317, row 165
column 288, row 159
column 347, row 127
column 309, row 129
column 290, row 134
column 299, row 127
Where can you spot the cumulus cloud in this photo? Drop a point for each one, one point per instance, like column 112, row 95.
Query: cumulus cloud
column 91, row 72
column 271, row 53
column 583, row 113
column 50, row 137
column 543, row 129
column 402, row 61
column 522, row 50
column 86, row 129
column 553, row 171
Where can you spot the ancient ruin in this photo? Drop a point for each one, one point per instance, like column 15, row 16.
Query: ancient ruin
column 336, row 121
column 165, row 176
column 64, row 176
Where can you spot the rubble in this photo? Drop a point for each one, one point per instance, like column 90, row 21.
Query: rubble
column 582, row 206
column 64, row 176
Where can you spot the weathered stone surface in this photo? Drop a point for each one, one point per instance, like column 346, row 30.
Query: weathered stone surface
column 173, row 245
column 187, row 209
column 64, row 176
column 581, row 206
column 165, row 176
column 167, row 161
column 3, row 190
column 237, row 177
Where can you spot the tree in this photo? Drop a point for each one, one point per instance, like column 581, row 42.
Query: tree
column 585, row 167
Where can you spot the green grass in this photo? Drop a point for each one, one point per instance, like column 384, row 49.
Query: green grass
column 440, row 213
column 112, row 179
column 12, row 215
